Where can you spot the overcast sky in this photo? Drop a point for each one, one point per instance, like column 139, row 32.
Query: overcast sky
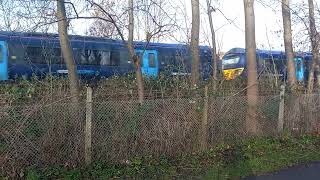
column 230, row 33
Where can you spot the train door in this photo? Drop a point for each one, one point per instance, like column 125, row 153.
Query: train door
column 3, row 61
column 149, row 62
column 299, row 69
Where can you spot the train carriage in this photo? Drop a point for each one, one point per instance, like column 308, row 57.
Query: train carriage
column 269, row 63
column 27, row 54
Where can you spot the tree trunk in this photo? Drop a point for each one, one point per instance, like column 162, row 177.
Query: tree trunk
column 74, row 129
column 287, row 36
column 67, row 51
column 252, row 90
column 133, row 55
column 195, row 43
column 293, row 101
column 213, row 41
column 314, row 37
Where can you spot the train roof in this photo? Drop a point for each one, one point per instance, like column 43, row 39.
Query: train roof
column 37, row 35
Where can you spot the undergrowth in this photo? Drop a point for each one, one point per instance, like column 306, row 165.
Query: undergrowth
column 117, row 87
column 253, row 156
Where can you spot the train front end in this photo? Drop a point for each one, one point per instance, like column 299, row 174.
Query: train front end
column 232, row 66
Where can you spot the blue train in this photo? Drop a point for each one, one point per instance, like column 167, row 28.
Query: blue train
column 269, row 63
column 28, row 54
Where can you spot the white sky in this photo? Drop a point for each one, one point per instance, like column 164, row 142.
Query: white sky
column 229, row 35
column 268, row 25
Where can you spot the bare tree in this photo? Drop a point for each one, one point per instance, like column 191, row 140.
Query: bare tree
column 195, row 42
column 287, row 36
column 252, row 89
column 213, row 39
column 67, row 51
column 25, row 16
column 99, row 27
column 10, row 21
column 153, row 26
column 133, row 55
column 314, row 38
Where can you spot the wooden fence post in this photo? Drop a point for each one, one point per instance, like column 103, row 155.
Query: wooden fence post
column 281, row 109
column 204, row 123
column 88, row 140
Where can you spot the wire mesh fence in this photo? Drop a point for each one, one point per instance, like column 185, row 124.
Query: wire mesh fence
column 46, row 134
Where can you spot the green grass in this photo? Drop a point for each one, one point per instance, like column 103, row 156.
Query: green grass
column 226, row 161
column 265, row 155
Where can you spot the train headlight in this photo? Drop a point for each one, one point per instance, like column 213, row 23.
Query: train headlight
column 238, row 71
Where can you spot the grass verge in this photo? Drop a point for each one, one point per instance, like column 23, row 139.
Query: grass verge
column 254, row 156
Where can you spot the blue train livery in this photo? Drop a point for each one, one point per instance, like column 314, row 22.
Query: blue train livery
column 28, row 54
column 269, row 63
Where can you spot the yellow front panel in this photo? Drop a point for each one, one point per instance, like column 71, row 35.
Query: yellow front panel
column 230, row 74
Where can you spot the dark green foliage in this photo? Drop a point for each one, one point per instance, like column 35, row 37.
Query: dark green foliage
column 122, row 88
column 24, row 91
column 33, row 174
column 21, row 90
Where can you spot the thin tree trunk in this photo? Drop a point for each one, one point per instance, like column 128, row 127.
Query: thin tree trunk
column 74, row 129
column 311, row 77
column 314, row 37
column 252, row 90
column 213, row 41
column 293, row 101
column 195, row 43
column 287, row 36
column 67, row 51
column 133, row 55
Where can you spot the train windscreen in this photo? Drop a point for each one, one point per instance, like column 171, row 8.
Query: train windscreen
column 230, row 60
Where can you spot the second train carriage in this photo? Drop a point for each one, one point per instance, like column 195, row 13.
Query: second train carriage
column 269, row 63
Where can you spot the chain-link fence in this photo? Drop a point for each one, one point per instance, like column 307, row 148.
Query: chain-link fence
column 46, row 134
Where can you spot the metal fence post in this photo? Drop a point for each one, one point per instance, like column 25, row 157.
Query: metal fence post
column 281, row 109
column 204, row 123
column 88, row 140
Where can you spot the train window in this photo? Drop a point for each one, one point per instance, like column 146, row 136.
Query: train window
column 40, row 55
column 115, row 58
column 52, row 55
column 260, row 61
column 179, row 58
column 105, row 58
column 85, row 56
column 170, row 59
column 98, row 57
column 187, row 60
column 89, row 57
column 32, row 55
column 268, row 66
column 151, row 60
column 94, row 58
